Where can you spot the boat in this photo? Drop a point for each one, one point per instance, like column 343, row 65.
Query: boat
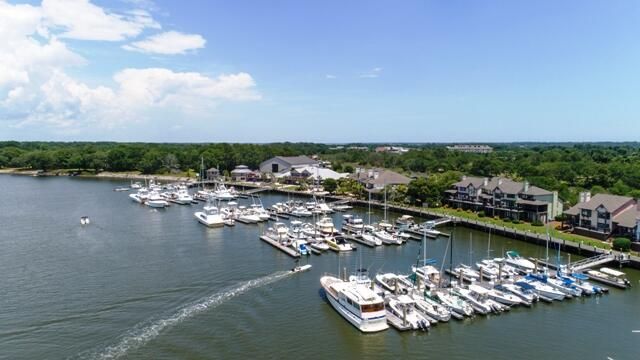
column 338, row 244
column 155, row 200
column 505, row 297
column 467, row 273
column 300, row 268
column 393, row 283
column 319, row 245
column 210, row 216
column 405, row 220
column 85, row 220
column 135, row 185
column 401, row 313
column 356, row 302
column 610, row 277
column 300, row 211
column 565, row 286
column 247, row 216
column 387, row 238
column 431, row 308
column 514, row 259
column 352, row 224
column 182, row 196
column 300, row 246
column 544, row 291
column 325, row 227
column 477, row 297
column 454, row 303
column 140, row 196
column 369, row 239
column 222, row 193
column 121, row 189
column 526, row 293
column 429, row 275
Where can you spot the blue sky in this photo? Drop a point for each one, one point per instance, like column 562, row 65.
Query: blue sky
column 325, row 71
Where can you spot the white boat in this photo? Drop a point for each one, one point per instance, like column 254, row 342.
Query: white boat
column 222, row 193
column 405, row 220
column 325, row 227
column 543, row 290
column 247, row 216
column 136, row 185
column 370, row 239
column 514, row 259
column 338, row 244
column 402, row 307
column 528, row 296
column 319, row 245
column 610, row 277
column 155, row 200
column 352, row 224
column 387, row 238
column 260, row 211
column 454, row 303
column 183, row 197
column 356, row 302
column 85, row 220
column 210, row 216
column 504, row 297
column 300, row 211
column 466, row 272
column 393, row 283
column 301, row 268
column 429, row 276
column 477, row 297
column 431, row 308
column 140, row 196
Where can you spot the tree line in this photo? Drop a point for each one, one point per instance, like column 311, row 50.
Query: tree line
column 566, row 168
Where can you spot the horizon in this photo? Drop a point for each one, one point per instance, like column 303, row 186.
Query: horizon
column 381, row 73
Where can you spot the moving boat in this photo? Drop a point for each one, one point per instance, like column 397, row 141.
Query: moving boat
column 356, row 302
column 84, row 220
column 300, row 268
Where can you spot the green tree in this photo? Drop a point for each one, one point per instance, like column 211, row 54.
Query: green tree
column 330, row 185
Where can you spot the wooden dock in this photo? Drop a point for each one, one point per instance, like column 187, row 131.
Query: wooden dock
column 285, row 249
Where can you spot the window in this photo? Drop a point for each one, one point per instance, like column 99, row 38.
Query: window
column 372, row 307
column 274, row 168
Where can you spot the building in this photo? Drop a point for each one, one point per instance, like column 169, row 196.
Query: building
column 480, row 149
column 604, row 215
column 392, row 149
column 504, row 198
column 281, row 164
column 313, row 174
column 243, row 173
column 213, row 174
column 376, row 179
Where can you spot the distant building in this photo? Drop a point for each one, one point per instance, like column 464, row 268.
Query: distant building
column 280, row 164
column 309, row 173
column 243, row 173
column 504, row 198
column 377, row 179
column 213, row 174
column 604, row 215
column 392, row 149
column 480, row 149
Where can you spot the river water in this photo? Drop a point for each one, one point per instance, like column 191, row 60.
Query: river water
column 155, row 284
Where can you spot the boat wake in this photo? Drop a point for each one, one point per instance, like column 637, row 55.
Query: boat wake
column 147, row 331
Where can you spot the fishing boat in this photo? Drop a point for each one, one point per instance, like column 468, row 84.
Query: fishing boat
column 356, row 302
column 402, row 314
column 210, row 216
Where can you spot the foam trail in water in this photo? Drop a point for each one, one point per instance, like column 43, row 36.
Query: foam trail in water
column 144, row 333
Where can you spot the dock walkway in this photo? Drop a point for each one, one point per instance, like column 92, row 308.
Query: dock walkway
column 285, row 249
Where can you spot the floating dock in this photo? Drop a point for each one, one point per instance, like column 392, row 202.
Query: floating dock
column 285, row 249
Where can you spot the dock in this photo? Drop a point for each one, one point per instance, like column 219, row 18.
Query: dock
column 285, row 249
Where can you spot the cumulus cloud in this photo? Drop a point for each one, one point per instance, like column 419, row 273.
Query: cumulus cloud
column 372, row 74
column 82, row 20
column 168, row 43
column 36, row 90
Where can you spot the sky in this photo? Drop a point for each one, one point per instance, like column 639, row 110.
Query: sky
column 320, row 71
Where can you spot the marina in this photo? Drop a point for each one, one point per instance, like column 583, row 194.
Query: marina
column 167, row 260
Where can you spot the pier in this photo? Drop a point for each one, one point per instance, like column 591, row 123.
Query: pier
column 285, row 249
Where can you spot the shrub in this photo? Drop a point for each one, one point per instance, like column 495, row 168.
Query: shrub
column 481, row 214
column 537, row 223
column 622, row 244
column 561, row 217
column 515, row 221
column 506, row 219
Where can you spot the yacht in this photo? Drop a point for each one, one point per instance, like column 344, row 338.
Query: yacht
column 210, row 216
column 356, row 302
column 429, row 275
column 247, row 216
column 140, row 196
column 338, row 244
column 352, row 224
column 402, row 307
column 387, row 238
column 155, row 200
column 183, row 197
column 300, row 211
column 325, row 227
column 514, row 259
column 222, row 193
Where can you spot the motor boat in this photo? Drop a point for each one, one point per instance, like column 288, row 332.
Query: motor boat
column 300, row 268
column 610, row 277
column 210, row 216
column 393, row 283
column 325, row 227
column 247, row 216
column 431, row 308
column 155, row 200
column 405, row 220
column 477, row 297
column 140, row 196
column 526, row 293
column 183, row 197
column 544, row 291
column 352, row 224
column 356, row 302
column 514, row 259
column 387, row 238
column 85, row 220
column 338, row 244
column 402, row 307
column 429, row 276
column 454, row 303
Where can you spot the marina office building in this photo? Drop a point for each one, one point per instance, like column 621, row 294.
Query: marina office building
column 505, row 198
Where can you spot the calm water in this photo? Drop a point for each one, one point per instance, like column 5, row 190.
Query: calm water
column 140, row 283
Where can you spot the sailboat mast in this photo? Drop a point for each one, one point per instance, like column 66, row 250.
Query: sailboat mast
column 470, row 248
column 385, row 202
column 369, row 207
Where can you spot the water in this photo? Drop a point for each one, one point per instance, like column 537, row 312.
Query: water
column 155, row 284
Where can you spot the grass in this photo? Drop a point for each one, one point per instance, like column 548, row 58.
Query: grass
column 524, row 227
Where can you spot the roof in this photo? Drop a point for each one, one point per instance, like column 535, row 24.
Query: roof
column 536, row 191
column 573, row 211
column 475, row 181
column 297, row 160
column 381, row 177
column 315, row 173
column 610, row 202
column 628, row 218
column 531, row 202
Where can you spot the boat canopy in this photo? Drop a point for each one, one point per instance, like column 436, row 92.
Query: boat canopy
column 524, row 285
column 478, row 289
column 612, row 272
column 580, row 276
column 513, row 253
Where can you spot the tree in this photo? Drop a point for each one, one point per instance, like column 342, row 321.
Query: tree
column 348, row 169
column 330, row 185
column 622, row 244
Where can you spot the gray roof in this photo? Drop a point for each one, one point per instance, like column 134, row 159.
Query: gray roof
column 536, row 191
column 573, row 211
column 610, row 202
column 385, row 177
column 475, row 181
column 297, row 160
column 628, row 218
column 531, row 202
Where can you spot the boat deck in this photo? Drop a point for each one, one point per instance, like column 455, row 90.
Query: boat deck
column 397, row 323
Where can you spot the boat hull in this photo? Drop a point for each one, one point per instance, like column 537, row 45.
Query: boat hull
column 364, row 325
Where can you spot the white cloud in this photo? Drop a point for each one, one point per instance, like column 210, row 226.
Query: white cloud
column 82, row 20
column 330, row 76
column 372, row 74
column 168, row 43
column 37, row 92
